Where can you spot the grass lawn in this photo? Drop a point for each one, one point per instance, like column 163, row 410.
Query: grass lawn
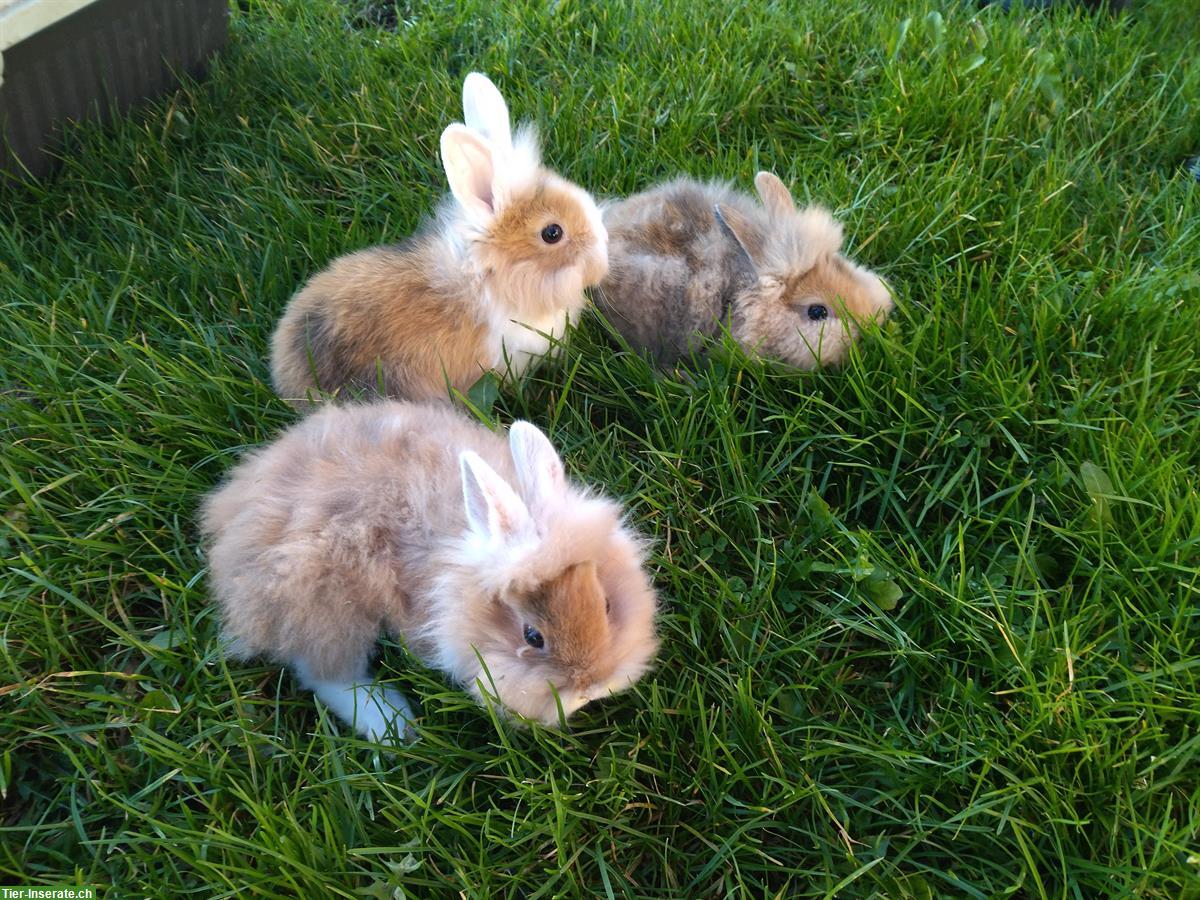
column 930, row 621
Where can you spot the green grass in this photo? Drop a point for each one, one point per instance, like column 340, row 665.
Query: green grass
column 930, row 621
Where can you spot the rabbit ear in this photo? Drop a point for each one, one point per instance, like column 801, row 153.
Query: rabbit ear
column 744, row 234
column 539, row 470
column 485, row 111
column 494, row 510
column 470, row 166
column 775, row 195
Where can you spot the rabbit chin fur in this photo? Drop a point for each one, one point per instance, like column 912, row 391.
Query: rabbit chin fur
column 412, row 519
column 680, row 271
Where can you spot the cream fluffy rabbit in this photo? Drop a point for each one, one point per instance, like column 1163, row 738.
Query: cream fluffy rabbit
column 410, row 518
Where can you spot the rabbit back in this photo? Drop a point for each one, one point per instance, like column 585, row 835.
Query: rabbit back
column 384, row 317
column 323, row 539
column 673, row 271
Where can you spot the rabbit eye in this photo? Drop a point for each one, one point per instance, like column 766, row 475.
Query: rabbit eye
column 552, row 233
column 607, row 606
column 817, row 311
column 534, row 638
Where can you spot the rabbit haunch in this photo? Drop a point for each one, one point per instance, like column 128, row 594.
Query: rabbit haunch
column 479, row 286
column 689, row 258
column 411, row 519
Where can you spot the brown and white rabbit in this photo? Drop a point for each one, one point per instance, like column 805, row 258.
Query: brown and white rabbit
column 410, row 518
column 503, row 265
column 687, row 258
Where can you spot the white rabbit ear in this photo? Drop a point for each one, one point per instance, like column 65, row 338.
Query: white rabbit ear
column 494, row 510
column 485, row 111
column 774, row 193
column 539, row 470
column 470, row 164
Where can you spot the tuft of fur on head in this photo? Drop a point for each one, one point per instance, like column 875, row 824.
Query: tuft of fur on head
column 524, row 156
column 553, row 558
column 486, row 113
column 800, row 241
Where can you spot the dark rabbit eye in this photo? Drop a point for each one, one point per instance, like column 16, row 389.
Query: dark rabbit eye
column 552, row 233
column 817, row 312
column 534, row 638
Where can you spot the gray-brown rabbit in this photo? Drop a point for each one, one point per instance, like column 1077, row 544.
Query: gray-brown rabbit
column 688, row 258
